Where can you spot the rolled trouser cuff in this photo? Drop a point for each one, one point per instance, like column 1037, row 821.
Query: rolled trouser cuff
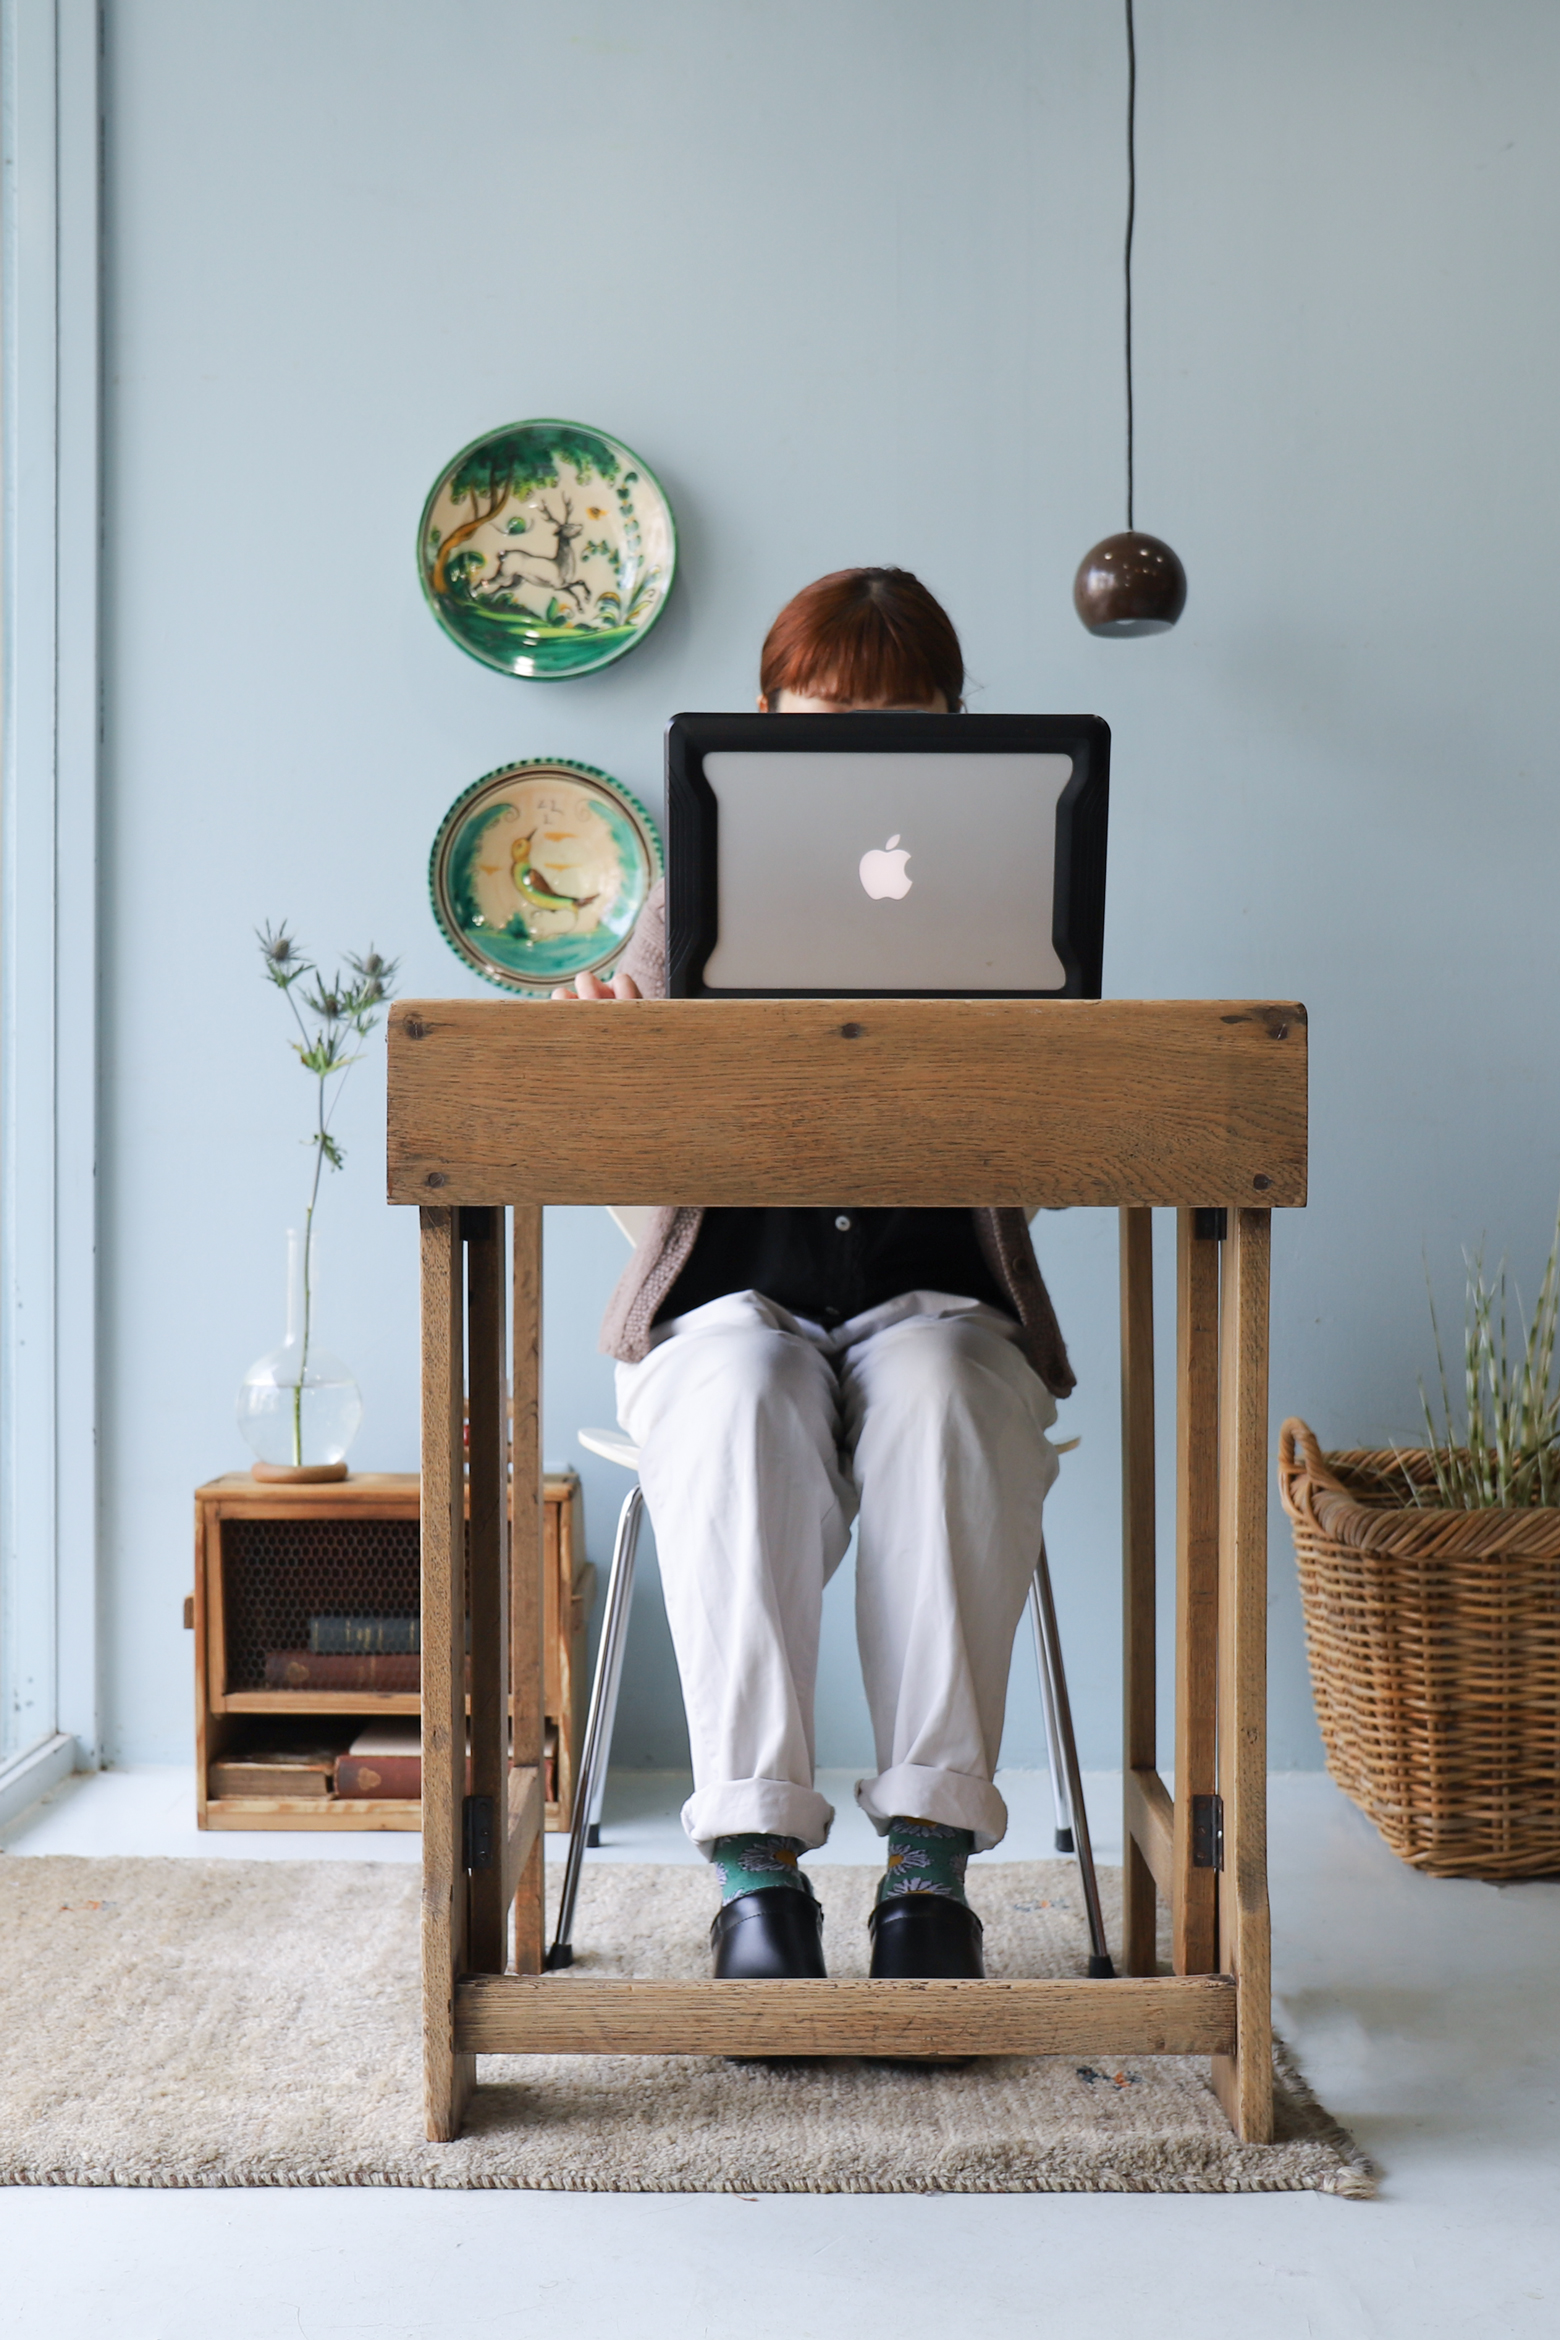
column 912, row 1791
column 759, row 1807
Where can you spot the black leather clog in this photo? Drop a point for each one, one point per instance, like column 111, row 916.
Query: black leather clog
column 772, row 1935
column 923, row 1937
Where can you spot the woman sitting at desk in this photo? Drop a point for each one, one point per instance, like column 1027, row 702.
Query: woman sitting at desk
column 784, row 1372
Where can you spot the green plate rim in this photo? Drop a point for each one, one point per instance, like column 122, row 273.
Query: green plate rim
column 450, row 824
column 544, row 422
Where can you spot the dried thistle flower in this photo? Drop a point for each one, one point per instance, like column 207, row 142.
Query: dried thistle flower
column 372, row 989
column 373, row 969
column 283, row 960
column 325, row 1000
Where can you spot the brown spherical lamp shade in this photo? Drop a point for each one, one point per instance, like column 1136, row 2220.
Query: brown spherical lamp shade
column 1130, row 584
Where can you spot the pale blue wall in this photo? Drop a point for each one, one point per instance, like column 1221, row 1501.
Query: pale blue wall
column 846, row 273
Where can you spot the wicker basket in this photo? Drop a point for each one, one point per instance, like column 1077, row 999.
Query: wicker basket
column 1434, row 1639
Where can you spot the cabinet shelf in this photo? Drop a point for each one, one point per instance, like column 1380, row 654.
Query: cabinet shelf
column 366, row 1702
column 388, row 1813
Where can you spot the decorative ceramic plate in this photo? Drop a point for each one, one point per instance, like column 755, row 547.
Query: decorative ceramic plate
column 547, row 549
column 539, row 872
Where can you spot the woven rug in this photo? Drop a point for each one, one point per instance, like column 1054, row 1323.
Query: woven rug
column 227, row 2023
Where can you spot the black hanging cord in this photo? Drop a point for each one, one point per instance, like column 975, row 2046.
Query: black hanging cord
column 1131, row 215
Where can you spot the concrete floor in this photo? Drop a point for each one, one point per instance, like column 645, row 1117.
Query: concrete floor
column 1425, row 2013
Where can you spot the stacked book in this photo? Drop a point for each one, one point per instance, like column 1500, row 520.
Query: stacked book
column 304, row 1770
column 383, row 1761
column 351, row 1653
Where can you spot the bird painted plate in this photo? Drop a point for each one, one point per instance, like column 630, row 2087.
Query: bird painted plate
column 547, row 549
column 539, row 873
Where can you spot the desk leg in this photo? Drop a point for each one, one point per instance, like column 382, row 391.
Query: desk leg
column 447, row 2077
column 525, row 1582
column 1139, row 1717
column 487, row 1547
column 1194, row 1899
column 1244, row 2081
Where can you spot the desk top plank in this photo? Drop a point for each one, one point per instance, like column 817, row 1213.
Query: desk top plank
column 888, row 1103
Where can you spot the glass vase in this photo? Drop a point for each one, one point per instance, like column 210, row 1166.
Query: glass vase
column 299, row 1408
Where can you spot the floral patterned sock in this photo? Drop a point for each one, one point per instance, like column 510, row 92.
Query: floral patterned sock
column 749, row 1864
column 925, row 1857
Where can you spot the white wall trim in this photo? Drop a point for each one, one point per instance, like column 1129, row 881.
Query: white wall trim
column 50, row 53
column 27, row 1777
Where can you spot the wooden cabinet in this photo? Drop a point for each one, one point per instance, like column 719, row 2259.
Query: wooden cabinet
column 305, row 1616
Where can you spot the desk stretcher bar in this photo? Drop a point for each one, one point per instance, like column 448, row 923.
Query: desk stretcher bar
column 523, row 2015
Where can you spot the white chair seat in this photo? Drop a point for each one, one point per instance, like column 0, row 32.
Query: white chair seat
column 614, row 1446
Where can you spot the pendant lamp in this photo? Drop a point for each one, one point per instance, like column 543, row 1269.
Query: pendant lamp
column 1131, row 583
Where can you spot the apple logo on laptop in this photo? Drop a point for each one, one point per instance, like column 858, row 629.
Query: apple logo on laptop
column 883, row 871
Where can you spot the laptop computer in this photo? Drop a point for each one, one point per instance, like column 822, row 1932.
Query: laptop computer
column 886, row 856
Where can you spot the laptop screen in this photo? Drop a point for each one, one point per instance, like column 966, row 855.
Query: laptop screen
column 885, row 872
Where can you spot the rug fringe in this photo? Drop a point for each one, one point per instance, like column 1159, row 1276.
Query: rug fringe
column 1359, row 2180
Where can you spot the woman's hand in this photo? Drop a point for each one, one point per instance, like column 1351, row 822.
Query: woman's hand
column 590, row 987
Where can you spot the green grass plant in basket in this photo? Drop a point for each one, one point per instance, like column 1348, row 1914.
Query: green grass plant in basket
column 1506, row 1454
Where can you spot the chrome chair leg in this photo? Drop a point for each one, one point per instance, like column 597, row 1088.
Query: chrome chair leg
column 1061, row 1801
column 590, row 1786
column 1059, row 1728
column 629, row 1519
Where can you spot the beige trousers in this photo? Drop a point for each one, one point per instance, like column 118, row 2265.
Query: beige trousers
column 762, row 1438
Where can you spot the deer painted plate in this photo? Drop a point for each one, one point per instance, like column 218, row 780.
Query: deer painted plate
column 547, row 549
column 539, row 872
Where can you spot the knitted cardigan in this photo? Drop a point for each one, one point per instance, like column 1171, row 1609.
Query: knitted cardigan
column 663, row 1249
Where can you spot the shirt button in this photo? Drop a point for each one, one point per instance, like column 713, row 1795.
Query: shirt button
column 843, row 1224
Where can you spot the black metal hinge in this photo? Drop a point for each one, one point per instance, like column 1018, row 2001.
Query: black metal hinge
column 1207, row 1832
column 477, row 1831
column 1210, row 1226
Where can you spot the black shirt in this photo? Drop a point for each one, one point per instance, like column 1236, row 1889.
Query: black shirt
column 832, row 1265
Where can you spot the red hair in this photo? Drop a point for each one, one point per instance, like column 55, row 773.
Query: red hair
column 864, row 634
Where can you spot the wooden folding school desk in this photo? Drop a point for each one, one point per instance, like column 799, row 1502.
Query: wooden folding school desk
column 1195, row 1106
